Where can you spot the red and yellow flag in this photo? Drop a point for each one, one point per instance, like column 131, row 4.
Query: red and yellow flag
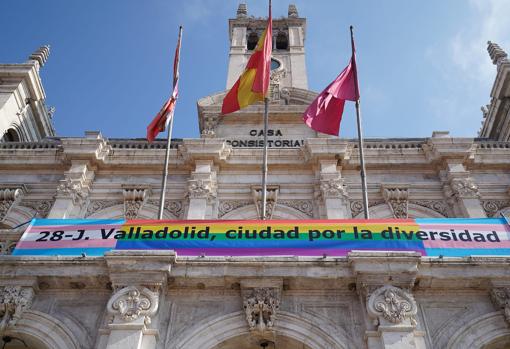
column 253, row 84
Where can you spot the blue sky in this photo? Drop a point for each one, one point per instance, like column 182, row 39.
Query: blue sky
column 422, row 66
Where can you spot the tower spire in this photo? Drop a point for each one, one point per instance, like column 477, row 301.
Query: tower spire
column 40, row 55
column 242, row 11
column 496, row 53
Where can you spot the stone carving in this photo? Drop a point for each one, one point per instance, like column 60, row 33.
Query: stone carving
column 14, row 300
column 396, row 197
column 333, row 188
column 7, row 246
column 42, row 207
column 393, row 304
column 496, row 53
column 201, row 189
column 357, row 206
column 8, row 196
column 304, row 206
column 271, row 198
column 231, row 205
column 464, row 188
column 99, row 205
column 293, row 12
column 210, row 122
column 285, row 95
column 174, row 207
column 491, row 207
column 40, row 55
column 435, row 205
column 274, row 88
column 500, row 297
column 260, row 306
column 131, row 303
column 134, row 198
column 242, row 11
column 73, row 189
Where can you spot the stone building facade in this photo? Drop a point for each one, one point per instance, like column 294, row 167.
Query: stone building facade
column 156, row 299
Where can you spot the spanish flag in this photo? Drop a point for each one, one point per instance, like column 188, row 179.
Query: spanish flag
column 253, row 84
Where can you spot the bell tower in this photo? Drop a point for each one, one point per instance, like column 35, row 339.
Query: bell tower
column 288, row 63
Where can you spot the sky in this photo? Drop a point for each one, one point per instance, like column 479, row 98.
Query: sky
column 422, row 65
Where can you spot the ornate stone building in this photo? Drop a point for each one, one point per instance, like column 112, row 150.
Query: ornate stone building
column 155, row 299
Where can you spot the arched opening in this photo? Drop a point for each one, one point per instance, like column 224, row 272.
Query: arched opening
column 251, row 42
column 499, row 343
column 282, row 41
column 11, row 135
column 21, row 342
column 248, row 341
column 489, row 331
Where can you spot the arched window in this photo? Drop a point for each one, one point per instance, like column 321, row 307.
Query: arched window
column 253, row 39
column 11, row 135
column 282, row 41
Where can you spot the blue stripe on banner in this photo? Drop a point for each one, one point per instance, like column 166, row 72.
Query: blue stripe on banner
column 61, row 222
column 345, row 244
column 460, row 221
column 464, row 252
column 90, row 252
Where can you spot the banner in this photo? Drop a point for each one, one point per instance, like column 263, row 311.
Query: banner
column 455, row 237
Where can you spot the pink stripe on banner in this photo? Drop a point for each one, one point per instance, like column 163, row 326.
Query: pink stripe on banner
column 461, row 226
column 86, row 227
column 38, row 245
column 465, row 244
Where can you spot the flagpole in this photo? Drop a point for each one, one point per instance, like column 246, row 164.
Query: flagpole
column 264, row 161
column 360, row 139
column 168, row 144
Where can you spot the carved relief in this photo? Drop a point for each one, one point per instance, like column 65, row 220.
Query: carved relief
column 8, row 196
column 14, row 300
column 396, row 198
column 72, row 189
column 304, row 206
column 201, row 189
column 357, row 206
column 333, row 188
column 172, row 206
column 99, row 205
column 271, row 199
column 42, row 207
column 393, row 304
column 131, row 303
column 491, row 207
column 435, row 205
column 260, row 307
column 500, row 297
column 134, row 198
column 464, row 188
column 231, row 205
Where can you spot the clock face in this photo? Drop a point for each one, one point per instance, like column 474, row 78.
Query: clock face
column 274, row 64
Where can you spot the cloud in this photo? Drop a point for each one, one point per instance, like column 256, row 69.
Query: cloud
column 468, row 46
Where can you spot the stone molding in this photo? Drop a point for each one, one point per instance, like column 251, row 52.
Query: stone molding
column 261, row 305
column 8, row 198
column 172, row 206
column 393, row 304
column 500, row 297
column 357, row 206
column 99, row 205
column 438, row 206
column 133, row 302
column 303, row 206
column 76, row 183
column 42, row 207
column 134, row 199
column 496, row 53
column 14, row 301
column 271, row 199
column 397, row 198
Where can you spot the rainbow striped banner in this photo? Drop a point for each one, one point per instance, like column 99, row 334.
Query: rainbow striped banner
column 455, row 237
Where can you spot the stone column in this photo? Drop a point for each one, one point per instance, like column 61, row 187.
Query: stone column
column 201, row 190
column 462, row 191
column 72, row 191
column 332, row 190
column 138, row 279
column 384, row 281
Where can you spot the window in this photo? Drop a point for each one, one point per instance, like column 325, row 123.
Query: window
column 11, row 136
column 253, row 38
column 282, row 41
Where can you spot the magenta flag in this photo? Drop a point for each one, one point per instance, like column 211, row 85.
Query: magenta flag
column 325, row 112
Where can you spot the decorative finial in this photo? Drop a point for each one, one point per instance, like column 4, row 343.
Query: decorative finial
column 242, row 11
column 293, row 13
column 496, row 53
column 40, row 55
